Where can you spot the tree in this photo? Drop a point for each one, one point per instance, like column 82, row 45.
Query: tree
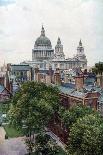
column 45, row 146
column 86, row 136
column 33, row 106
column 98, row 69
column 70, row 116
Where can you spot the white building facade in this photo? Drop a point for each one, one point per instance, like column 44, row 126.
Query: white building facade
column 43, row 55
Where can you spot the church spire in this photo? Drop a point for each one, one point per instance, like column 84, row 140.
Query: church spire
column 80, row 48
column 80, row 43
column 59, row 54
column 42, row 31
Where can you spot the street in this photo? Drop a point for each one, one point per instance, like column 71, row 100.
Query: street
column 14, row 146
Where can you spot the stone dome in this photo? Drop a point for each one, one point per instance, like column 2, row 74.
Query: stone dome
column 43, row 40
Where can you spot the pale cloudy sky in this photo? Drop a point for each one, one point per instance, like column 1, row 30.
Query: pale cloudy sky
column 21, row 20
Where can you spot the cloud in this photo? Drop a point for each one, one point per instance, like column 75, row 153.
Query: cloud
column 1, row 32
column 20, row 25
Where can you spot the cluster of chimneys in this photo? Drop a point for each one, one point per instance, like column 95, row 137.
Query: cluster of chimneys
column 55, row 78
column 49, row 77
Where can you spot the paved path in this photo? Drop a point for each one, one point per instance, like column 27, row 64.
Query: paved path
column 57, row 139
column 14, row 146
column 2, row 135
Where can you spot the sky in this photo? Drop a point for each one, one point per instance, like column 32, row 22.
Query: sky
column 71, row 20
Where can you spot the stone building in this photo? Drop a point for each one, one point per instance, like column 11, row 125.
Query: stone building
column 19, row 72
column 42, row 48
column 82, row 92
column 43, row 55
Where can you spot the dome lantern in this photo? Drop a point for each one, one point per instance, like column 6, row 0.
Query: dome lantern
column 43, row 40
column 42, row 31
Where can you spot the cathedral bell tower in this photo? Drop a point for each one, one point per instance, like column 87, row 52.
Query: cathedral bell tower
column 81, row 55
column 80, row 49
column 80, row 52
column 59, row 54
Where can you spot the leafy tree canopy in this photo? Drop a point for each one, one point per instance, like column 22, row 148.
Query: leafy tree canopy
column 45, row 145
column 86, row 136
column 70, row 116
column 98, row 69
column 33, row 105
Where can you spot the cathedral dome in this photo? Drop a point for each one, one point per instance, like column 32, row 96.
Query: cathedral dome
column 43, row 40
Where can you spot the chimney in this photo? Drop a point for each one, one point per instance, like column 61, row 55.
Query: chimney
column 48, row 79
column 66, row 78
column 9, row 67
column 36, row 74
column 8, row 83
column 79, row 82
column 49, row 74
column 57, row 77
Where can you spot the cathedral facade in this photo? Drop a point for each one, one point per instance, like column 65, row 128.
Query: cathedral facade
column 43, row 55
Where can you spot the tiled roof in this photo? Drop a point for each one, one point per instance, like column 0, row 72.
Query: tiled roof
column 92, row 88
column 89, row 81
column 69, row 85
column 1, row 88
column 45, row 71
column 78, row 94
column 65, row 90
column 20, row 67
column 72, row 92
column 69, row 89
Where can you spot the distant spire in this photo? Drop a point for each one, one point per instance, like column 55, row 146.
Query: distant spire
column 42, row 31
column 80, row 43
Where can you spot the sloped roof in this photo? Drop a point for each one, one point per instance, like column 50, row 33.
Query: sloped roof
column 69, row 85
column 21, row 67
column 1, row 88
column 65, row 90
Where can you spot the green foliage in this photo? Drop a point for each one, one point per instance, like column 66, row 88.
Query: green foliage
column 30, row 144
column 33, row 106
column 4, row 107
column 98, row 69
column 70, row 116
column 45, row 146
column 12, row 132
column 86, row 136
column 85, row 127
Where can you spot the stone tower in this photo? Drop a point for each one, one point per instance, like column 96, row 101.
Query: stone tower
column 81, row 55
column 59, row 54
